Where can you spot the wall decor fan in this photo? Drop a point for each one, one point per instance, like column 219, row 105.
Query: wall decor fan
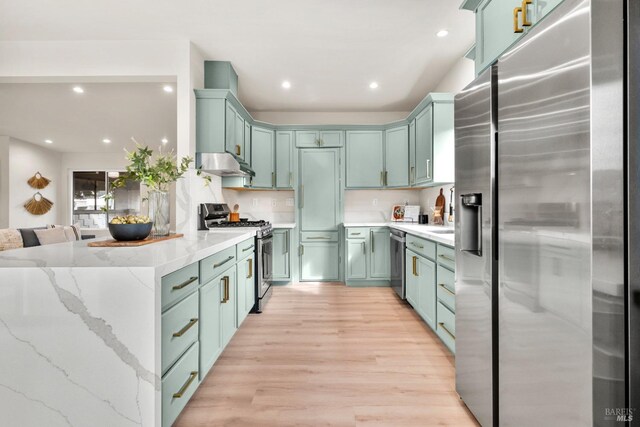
column 38, row 181
column 38, row 204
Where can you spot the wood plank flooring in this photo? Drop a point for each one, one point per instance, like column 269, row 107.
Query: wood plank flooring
column 323, row 354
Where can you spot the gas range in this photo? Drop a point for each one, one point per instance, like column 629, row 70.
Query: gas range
column 264, row 227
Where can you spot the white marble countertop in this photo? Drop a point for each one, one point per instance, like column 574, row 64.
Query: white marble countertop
column 164, row 256
column 421, row 230
column 284, row 225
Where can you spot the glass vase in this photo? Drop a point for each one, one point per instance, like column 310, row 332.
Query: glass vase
column 159, row 212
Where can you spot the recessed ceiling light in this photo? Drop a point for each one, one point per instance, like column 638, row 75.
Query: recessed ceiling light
column 48, row 141
column 286, row 84
column 78, row 89
column 442, row 33
column 106, row 141
column 373, row 85
column 165, row 140
column 167, row 88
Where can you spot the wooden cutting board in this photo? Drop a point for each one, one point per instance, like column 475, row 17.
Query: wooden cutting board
column 132, row 243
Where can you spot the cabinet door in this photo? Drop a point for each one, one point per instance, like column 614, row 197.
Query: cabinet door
column 262, row 157
column 356, row 258
column 494, row 30
column 284, row 159
column 239, row 137
column 229, row 308
column 380, row 249
column 397, row 157
column 246, row 287
column 209, row 325
column 281, row 258
column 427, row 294
column 230, row 129
column 365, row 159
column 319, row 262
column 210, row 125
column 247, row 142
column 411, row 282
column 319, row 190
column 424, row 146
column 307, row 138
column 412, row 152
column 331, row 138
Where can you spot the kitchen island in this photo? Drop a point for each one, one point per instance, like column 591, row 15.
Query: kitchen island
column 80, row 327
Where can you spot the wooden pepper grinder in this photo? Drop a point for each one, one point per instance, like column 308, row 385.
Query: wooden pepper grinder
column 438, row 212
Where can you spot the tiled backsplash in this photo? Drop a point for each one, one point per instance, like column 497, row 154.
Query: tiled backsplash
column 375, row 205
column 274, row 206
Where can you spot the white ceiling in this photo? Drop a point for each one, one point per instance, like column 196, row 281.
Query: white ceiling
column 76, row 122
column 329, row 49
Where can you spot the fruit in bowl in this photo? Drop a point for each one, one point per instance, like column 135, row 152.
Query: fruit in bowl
column 130, row 227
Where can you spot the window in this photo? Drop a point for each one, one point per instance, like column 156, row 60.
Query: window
column 89, row 191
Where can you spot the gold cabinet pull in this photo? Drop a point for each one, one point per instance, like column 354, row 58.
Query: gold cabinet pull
column 223, row 262
column 273, row 179
column 183, row 389
column 225, row 284
column 446, row 258
column 286, row 241
column 373, row 249
column 185, row 283
column 238, row 150
column 415, row 267
column 442, row 285
column 516, row 13
column 428, row 168
column 186, row 327
column 291, row 179
column 364, row 248
column 301, row 201
column 319, row 238
column 413, row 168
column 417, row 245
column 356, row 234
column 247, row 248
column 386, row 176
column 441, row 324
column 525, row 18
column 250, row 268
column 381, row 178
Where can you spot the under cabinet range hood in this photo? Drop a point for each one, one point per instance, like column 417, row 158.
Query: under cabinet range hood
column 223, row 164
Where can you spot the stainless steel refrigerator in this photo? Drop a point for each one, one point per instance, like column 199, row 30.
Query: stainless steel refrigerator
column 542, row 233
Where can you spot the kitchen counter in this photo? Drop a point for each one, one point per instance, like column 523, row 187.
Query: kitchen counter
column 80, row 329
column 430, row 232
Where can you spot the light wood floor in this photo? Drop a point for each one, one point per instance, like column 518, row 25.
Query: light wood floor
column 329, row 355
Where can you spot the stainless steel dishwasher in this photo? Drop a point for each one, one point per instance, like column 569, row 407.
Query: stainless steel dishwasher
column 398, row 241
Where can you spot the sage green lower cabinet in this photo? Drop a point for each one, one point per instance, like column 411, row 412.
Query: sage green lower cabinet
column 368, row 256
column 356, row 250
column 262, row 155
column 229, row 305
column 365, row 159
column 179, row 384
column 380, row 253
column 411, row 278
column 426, row 274
column 210, row 332
column 246, row 287
column 281, row 255
column 319, row 261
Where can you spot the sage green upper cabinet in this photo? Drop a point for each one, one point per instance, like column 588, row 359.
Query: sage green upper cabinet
column 365, row 159
column 396, row 170
column 281, row 255
column 412, row 152
column 230, row 128
column 239, row 137
column 319, row 189
column 317, row 138
column 424, row 146
column 284, row 159
column 380, row 247
column 262, row 151
column 247, row 142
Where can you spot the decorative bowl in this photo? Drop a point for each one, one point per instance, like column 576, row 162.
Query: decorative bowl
column 128, row 232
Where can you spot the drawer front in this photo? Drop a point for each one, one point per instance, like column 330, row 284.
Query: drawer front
column 446, row 326
column 357, row 232
column 421, row 246
column 319, row 236
column 446, row 288
column 245, row 249
column 447, row 257
column 179, row 385
column 212, row 266
column 179, row 284
column 179, row 329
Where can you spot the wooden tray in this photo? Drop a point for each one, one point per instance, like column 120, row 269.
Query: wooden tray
column 133, row 243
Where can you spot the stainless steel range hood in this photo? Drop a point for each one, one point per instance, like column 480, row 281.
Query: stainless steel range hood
column 223, row 164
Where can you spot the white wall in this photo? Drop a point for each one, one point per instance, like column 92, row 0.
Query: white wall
column 460, row 75
column 25, row 159
column 328, row 118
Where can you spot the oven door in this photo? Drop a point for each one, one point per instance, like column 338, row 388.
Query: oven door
column 265, row 255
